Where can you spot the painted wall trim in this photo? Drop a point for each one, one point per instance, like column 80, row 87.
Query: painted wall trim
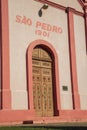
column 58, row 6
column 85, row 17
column 29, row 67
column 23, row 116
column 74, row 79
column 84, row 7
column 5, row 64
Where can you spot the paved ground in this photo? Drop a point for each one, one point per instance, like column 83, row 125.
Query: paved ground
column 60, row 124
column 68, row 126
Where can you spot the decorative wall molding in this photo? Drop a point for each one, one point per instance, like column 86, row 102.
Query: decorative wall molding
column 74, row 81
column 50, row 49
column 84, row 6
column 58, row 6
column 5, row 63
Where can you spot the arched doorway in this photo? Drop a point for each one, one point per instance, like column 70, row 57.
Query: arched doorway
column 37, row 64
column 42, row 82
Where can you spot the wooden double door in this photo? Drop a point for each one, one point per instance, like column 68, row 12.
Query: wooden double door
column 42, row 83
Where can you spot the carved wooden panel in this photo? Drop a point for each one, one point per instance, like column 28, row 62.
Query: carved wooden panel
column 37, row 95
column 46, row 64
column 47, row 92
column 44, row 54
column 40, row 53
column 35, row 53
column 42, row 87
column 36, row 63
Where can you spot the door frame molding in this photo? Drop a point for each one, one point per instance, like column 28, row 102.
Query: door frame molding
column 56, row 88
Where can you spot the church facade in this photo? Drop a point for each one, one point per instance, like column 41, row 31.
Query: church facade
column 43, row 61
